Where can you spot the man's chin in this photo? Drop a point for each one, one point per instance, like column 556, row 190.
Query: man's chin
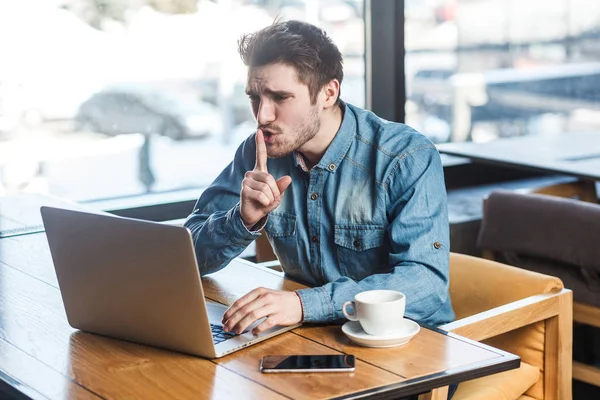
column 278, row 152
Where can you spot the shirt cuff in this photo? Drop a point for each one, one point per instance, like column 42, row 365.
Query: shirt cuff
column 238, row 229
column 257, row 227
column 301, row 305
column 316, row 305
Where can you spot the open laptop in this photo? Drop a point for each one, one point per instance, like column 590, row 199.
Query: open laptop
column 138, row 281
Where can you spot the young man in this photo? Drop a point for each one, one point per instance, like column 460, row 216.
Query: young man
column 349, row 202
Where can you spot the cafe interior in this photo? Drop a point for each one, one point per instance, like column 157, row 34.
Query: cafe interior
column 133, row 108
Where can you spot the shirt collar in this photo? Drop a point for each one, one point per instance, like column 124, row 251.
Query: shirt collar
column 338, row 147
column 300, row 161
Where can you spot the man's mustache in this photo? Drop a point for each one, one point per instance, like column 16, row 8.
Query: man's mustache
column 270, row 128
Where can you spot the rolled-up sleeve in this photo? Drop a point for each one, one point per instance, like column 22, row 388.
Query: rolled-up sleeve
column 218, row 233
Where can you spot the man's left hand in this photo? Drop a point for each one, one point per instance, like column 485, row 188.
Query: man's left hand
column 276, row 306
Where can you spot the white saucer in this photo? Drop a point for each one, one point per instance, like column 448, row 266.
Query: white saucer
column 355, row 332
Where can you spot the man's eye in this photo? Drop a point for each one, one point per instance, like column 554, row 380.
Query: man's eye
column 253, row 99
column 279, row 99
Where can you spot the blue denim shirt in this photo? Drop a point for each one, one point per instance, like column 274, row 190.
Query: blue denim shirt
column 372, row 214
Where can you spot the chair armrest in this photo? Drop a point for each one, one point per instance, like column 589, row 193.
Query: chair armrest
column 508, row 317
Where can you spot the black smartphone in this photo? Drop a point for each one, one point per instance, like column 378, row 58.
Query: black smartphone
column 308, row 363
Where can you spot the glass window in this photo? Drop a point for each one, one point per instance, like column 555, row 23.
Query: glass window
column 487, row 69
column 111, row 98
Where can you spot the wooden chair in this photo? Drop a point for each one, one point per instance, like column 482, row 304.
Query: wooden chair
column 522, row 312
column 264, row 251
column 554, row 236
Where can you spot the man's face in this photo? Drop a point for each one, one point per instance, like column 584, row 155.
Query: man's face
column 282, row 107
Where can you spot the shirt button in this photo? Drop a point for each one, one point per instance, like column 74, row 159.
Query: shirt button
column 356, row 243
column 314, row 196
column 331, row 167
column 437, row 245
column 315, row 239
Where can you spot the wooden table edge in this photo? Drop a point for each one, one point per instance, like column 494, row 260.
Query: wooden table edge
column 424, row 383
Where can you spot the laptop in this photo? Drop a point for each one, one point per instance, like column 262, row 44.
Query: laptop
column 138, row 281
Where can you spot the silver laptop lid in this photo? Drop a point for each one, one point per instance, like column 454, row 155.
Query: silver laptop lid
column 129, row 279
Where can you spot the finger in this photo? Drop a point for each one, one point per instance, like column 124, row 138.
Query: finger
column 251, row 317
column 245, row 316
column 261, row 187
column 268, row 323
column 241, row 302
column 265, row 178
column 256, row 196
column 261, row 152
column 283, row 183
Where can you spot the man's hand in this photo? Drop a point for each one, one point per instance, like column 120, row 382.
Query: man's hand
column 276, row 306
column 260, row 193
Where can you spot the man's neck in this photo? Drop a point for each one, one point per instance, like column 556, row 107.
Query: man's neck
column 330, row 124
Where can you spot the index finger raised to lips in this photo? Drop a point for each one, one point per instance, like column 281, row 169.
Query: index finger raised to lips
column 261, row 152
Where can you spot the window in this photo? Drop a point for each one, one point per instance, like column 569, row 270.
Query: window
column 488, row 69
column 104, row 99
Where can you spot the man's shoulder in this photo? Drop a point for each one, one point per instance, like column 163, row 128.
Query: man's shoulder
column 394, row 139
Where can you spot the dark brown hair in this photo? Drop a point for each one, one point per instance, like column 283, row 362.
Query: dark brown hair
column 301, row 45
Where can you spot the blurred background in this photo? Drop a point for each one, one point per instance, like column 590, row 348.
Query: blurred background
column 109, row 98
column 487, row 69
column 104, row 99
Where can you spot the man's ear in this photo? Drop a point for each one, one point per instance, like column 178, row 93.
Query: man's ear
column 330, row 93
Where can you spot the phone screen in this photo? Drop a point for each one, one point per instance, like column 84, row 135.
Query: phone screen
column 308, row 363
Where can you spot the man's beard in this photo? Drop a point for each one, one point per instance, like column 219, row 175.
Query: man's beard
column 304, row 133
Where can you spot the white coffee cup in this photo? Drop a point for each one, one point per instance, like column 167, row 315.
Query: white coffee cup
column 380, row 312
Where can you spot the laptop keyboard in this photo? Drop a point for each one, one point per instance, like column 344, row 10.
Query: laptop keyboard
column 219, row 335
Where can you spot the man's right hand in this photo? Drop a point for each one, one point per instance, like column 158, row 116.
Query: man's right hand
column 260, row 193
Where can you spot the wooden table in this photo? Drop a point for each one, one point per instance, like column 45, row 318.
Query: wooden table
column 41, row 356
column 573, row 154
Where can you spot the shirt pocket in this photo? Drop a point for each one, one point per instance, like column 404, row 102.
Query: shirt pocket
column 281, row 232
column 361, row 250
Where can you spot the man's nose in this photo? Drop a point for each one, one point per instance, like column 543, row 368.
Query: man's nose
column 266, row 113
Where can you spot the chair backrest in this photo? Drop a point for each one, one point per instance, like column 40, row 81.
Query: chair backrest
column 264, row 251
column 478, row 285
